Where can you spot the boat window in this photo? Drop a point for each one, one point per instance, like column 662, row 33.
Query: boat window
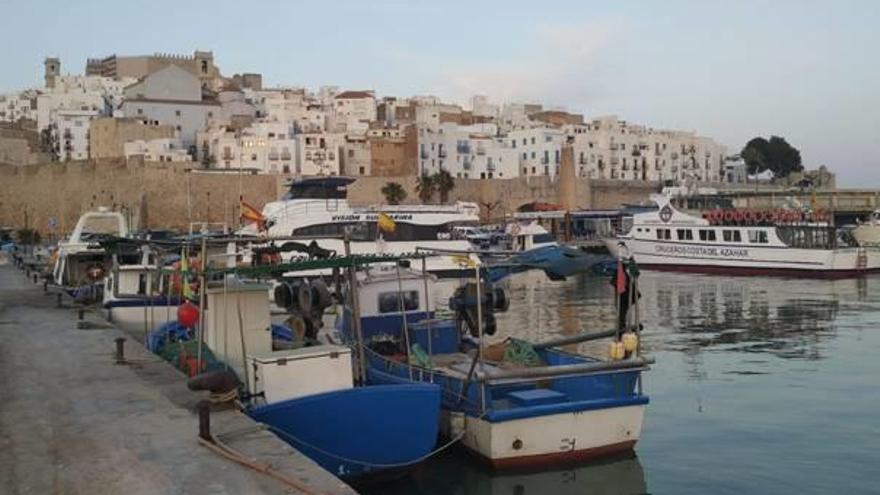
column 758, row 236
column 389, row 302
column 368, row 231
column 707, row 235
column 731, row 236
column 664, row 234
column 684, row 234
column 542, row 238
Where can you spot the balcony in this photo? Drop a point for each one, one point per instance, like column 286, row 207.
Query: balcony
column 614, row 147
column 481, row 150
column 614, row 160
column 273, row 156
column 285, row 155
column 441, row 153
column 463, row 149
column 466, row 165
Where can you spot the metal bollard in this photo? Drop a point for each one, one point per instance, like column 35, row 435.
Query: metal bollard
column 120, row 350
column 46, row 285
column 58, row 300
column 204, row 408
column 36, row 278
column 81, row 314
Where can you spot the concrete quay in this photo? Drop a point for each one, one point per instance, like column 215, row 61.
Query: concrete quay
column 72, row 421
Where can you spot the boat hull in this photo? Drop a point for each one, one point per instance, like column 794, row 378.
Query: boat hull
column 361, row 431
column 551, row 439
column 748, row 259
column 133, row 315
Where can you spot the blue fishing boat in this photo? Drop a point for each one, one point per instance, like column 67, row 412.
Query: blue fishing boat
column 513, row 403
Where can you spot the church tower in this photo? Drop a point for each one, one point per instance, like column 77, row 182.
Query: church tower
column 51, row 70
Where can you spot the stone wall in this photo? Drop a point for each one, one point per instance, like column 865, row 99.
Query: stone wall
column 171, row 195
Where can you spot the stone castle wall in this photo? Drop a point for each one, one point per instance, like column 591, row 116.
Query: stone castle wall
column 171, row 195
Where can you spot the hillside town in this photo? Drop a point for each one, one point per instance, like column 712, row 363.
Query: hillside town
column 181, row 108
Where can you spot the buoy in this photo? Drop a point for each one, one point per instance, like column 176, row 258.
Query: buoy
column 616, row 351
column 187, row 314
column 630, row 341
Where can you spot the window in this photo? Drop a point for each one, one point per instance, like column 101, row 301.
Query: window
column 177, row 113
column 140, row 111
column 758, row 236
column 664, row 234
column 684, row 234
column 707, row 235
column 731, row 236
column 533, row 140
column 362, row 171
column 211, row 114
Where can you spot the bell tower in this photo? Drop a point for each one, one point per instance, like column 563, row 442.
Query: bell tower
column 51, row 70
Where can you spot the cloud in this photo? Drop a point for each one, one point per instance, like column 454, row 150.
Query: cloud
column 558, row 66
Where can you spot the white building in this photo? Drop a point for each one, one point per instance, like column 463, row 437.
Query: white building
column 267, row 147
column 172, row 96
column 17, row 106
column 538, row 149
column 353, row 111
column 69, row 133
column 318, row 153
column 468, row 152
column 157, row 150
column 609, row 148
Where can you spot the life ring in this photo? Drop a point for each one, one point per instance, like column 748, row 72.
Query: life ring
column 728, row 215
column 752, row 216
column 738, row 216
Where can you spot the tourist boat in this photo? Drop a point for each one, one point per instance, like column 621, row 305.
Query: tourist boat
column 307, row 395
column 545, row 407
column 317, row 208
column 135, row 296
column 81, row 261
column 868, row 233
column 742, row 242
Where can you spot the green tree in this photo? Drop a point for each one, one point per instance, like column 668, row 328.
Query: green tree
column 774, row 154
column 426, row 188
column 445, row 183
column 394, row 193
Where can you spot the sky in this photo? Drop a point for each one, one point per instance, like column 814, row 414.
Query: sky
column 732, row 70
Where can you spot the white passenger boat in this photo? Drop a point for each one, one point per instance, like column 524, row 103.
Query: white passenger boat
column 81, row 260
column 318, row 209
column 781, row 242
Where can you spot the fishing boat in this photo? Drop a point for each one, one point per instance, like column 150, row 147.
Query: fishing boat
column 743, row 242
column 81, row 261
column 135, row 296
column 514, row 404
column 317, row 209
column 307, row 395
column 867, row 233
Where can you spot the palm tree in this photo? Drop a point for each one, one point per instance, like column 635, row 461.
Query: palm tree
column 426, row 187
column 444, row 183
column 394, row 193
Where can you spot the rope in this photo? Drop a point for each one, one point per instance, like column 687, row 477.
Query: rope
column 218, row 447
column 219, row 398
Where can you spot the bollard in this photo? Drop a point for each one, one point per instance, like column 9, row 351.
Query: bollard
column 46, row 285
column 36, row 278
column 120, row 350
column 81, row 314
column 58, row 300
column 204, row 408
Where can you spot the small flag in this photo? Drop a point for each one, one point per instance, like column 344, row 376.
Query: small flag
column 621, row 278
column 385, row 223
column 249, row 213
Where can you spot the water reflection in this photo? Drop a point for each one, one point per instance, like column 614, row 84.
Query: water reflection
column 457, row 473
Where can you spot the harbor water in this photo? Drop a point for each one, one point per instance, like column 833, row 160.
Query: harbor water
column 762, row 385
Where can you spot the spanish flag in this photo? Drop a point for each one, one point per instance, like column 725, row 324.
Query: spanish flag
column 385, row 223
column 249, row 213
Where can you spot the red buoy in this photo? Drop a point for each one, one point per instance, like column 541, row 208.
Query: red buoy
column 187, row 314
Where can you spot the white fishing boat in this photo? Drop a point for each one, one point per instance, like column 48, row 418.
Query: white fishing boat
column 318, row 209
column 867, row 233
column 742, row 242
column 134, row 296
column 81, row 260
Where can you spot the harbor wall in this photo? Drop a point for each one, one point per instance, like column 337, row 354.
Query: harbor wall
column 165, row 195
